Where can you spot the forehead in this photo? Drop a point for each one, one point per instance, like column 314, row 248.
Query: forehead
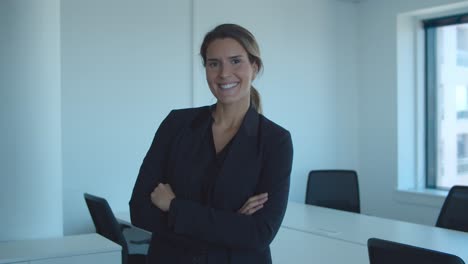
column 225, row 47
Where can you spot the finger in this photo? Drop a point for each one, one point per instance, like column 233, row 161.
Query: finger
column 254, row 198
column 251, row 211
column 257, row 202
column 245, row 208
column 242, row 210
column 257, row 197
column 154, row 193
column 168, row 186
column 249, row 205
column 255, row 209
column 157, row 186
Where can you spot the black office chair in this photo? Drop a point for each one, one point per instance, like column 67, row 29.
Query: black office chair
column 388, row 252
column 454, row 212
column 107, row 226
column 337, row 189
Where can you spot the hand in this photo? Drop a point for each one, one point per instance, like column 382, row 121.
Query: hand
column 162, row 196
column 253, row 204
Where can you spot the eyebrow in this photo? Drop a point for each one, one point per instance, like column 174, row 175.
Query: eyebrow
column 231, row 57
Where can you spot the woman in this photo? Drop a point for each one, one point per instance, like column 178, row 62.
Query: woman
column 214, row 185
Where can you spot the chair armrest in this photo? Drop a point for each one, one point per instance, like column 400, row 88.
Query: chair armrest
column 140, row 242
column 124, row 226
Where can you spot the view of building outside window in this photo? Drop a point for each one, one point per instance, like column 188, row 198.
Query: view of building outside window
column 452, row 105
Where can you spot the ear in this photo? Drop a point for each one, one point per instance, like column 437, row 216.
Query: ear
column 255, row 70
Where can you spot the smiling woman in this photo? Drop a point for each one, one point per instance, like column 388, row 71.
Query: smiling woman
column 214, row 184
column 229, row 72
column 245, row 51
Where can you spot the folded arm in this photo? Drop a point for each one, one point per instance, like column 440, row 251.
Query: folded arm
column 233, row 229
column 143, row 213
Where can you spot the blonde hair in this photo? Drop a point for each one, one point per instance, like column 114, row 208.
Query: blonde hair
column 247, row 41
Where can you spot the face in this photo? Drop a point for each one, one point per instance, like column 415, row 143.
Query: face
column 229, row 72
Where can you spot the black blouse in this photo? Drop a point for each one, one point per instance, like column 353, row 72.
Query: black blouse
column 214, row 166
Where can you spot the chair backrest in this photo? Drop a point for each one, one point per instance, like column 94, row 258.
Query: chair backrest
column 454, row 212
column 389, row 252
column 105, row 222
column 337, row 189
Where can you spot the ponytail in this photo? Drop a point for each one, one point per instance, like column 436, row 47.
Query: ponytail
column 255, row 99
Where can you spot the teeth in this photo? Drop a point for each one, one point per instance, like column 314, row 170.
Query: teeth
column 227, row 86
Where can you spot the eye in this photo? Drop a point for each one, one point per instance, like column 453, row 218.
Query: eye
column 213, row 64
column 235, row 61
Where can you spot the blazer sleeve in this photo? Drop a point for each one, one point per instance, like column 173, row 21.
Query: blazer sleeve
column 152, row 171
column 235, row 230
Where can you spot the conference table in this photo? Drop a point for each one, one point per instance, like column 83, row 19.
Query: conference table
column 313, row 234
column 358, row 228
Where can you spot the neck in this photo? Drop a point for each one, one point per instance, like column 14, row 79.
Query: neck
column 230, row 116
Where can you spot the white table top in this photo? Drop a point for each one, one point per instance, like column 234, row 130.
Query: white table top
column 292, row 246
column 24, row 250
column 358, row 228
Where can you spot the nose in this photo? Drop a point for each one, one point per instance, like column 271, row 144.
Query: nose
column 225, row 71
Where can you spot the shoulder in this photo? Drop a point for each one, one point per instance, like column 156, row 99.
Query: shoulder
column 188, row 112
column 271, row 129
column 275, row 139
column 187, row 115
column 179, row 118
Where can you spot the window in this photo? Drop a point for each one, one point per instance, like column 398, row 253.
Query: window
column 446, row 84
column 462, row 154
column 462, row 45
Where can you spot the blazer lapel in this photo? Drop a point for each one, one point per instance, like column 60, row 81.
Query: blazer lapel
column 189, row 151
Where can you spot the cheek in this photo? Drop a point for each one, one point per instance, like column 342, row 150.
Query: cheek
column 207, row 75
column 210, row 78
column 211, row 83
column 247, row 73
column 248, row 77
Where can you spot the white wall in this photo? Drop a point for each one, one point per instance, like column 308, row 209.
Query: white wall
column 378, row 112
column 125, row 65
column 30, row 128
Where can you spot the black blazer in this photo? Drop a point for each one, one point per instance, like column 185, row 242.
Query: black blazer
column 259, row 160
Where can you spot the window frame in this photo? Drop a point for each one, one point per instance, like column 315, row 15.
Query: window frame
column 430, row 87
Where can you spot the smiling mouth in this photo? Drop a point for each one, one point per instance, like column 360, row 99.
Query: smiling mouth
column 228, row 85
